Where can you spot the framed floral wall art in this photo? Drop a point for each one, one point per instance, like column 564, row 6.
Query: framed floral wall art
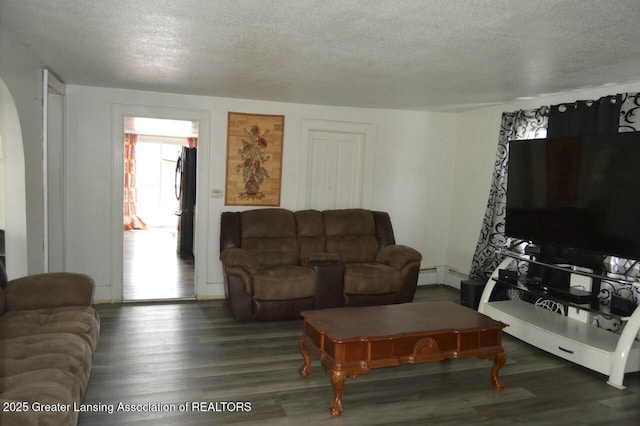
column 254, row 159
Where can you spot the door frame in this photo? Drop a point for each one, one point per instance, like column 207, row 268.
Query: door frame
column 53, row 207
column 118, row 113
column 368, row 133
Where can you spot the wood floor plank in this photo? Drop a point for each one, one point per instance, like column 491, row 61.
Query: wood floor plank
column 152, row 269
column 188, row 352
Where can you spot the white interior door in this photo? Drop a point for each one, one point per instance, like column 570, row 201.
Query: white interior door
column 336, row 164
column 335, row 167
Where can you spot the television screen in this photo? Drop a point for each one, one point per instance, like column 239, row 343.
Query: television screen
column 580, row 193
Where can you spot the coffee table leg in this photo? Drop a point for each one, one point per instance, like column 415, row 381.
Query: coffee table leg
column 305, row 368
column 337, row 378
column 498, row 361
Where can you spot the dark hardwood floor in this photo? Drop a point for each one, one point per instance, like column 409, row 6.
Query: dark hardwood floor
column 152, row 269
column 190, row 352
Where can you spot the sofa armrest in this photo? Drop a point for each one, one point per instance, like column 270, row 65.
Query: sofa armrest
column 241, row 264
column 407, row 261
column 398, row 256
column 49, row 290
column 234, row 258
column 329, row 284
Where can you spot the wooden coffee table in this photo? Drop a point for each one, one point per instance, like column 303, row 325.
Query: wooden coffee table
column 352, row 341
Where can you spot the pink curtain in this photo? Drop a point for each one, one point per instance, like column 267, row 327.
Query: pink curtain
column 131, row 219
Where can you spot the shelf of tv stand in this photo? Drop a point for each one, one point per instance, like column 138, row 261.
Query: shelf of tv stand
column 569, row 338
column 525, row 258
column 558, row 298
column 554, row 323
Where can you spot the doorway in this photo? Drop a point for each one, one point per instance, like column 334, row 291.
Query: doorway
column 157, row 217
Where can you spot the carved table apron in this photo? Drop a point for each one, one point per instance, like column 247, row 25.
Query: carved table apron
column 351, row 341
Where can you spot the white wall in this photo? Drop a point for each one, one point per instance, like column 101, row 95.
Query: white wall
column 21, row 129
column 475, row 153
column 413, row 174
column 2, row 183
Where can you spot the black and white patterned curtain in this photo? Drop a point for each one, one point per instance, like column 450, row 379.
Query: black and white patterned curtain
column 630, row 113
column 610, row 114
column 531, row 124
column 616, row 266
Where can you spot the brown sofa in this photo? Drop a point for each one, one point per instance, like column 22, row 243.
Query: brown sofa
column 278, row 263
column 48, row 335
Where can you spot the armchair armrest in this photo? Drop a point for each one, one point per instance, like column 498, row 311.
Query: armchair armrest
column 398, row 256
column 49, row 290
column 241, row 263
column 407, row 261
column 235, row 258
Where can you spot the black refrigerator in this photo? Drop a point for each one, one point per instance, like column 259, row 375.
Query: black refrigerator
column 185, row 188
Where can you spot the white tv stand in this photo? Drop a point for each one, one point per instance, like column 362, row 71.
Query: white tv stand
column 569, row 338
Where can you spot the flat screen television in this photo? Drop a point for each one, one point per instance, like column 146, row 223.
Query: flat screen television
column 577, row 193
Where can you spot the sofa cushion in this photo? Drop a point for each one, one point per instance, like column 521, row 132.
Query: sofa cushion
column 284, row 282
column 48, row 335
column 273, row 251
column 46, row 387
column 49, row 290
column 268, row 223
column 82, row 321
column 351, row 234
column 62, row 351
column 309, row 223
column 50, row 368
column 271, row 235
column 348, row 223
column 362, row 249
column 371, row 278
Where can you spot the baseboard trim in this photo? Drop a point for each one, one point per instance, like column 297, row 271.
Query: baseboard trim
column 441, row 274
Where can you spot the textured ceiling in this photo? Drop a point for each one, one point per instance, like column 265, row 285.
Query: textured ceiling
column 437, row 55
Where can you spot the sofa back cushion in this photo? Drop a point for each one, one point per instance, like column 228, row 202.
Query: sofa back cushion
column 351, row 234
column 271, row 235
column 310, row 228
